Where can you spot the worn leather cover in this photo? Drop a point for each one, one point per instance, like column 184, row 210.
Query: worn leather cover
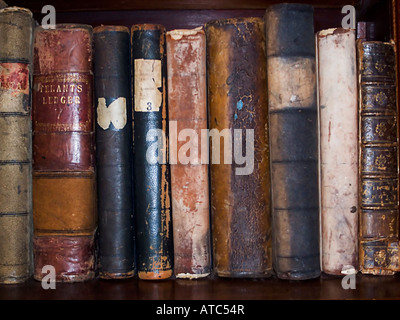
column 187, row 110
column 64, row 179
column 379, row 215
column 16, row 260
column 114, row 152
column 240, row 197
column 292, row 103
column 338, row 109
column 153, row 221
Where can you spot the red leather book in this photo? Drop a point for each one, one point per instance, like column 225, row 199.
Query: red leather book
column 64, row 184
column 187, row 100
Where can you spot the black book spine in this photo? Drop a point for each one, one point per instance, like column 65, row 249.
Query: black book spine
column 293, row 118
column 151, row 169
column 114, row 152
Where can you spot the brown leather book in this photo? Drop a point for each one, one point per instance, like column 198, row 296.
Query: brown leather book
column 16, row 260
column 379, row 215
column 187, row 112
column 239, row 160
column 64, row 182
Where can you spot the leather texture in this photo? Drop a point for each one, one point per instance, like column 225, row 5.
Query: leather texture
column 64, row 177
column 338, row 110
column 237, row 98
column 153, row 221
column 379, row 215
column 293, row 140
column 16, row 260
column 114, row 154
column 187, row 110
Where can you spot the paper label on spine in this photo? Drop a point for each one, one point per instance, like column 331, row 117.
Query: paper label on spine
column 148, row 84
column 115, row 113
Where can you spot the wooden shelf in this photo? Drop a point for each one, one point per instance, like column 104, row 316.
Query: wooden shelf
column 323, row 288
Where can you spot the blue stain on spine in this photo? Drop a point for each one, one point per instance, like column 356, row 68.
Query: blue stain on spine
column 235, row 116
column 239, row 105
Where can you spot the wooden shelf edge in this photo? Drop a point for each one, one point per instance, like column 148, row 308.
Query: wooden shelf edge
column 118, row 5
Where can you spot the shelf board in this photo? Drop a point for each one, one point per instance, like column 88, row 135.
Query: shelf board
column 107, row 5
column 322, row 288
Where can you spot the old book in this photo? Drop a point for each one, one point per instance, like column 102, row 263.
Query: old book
column 187, row 114
column 338, row 115
column 292, row 104
column 379, row 208
column 114, row 154
column 15, row 145
column 64, row 181
column 153, row 223
column 239, row 160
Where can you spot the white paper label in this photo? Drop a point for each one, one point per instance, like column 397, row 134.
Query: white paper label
column 148, row 97
column 115, row 113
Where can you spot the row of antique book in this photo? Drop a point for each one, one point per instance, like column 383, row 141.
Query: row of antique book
column 106, row 168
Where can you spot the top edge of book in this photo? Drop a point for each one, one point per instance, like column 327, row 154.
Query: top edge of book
column 334, row 31
column 66, row 26
column 111, row 28
column 16, row 9
column 177, row 34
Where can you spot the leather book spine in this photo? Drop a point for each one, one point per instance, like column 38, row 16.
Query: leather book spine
column 187, row 114
column 114, row 153
column 239, row 160
column 153, row 221
column 338, row 114
column 292, row 104
column 64, row 178
column 16, row 260
column 379, row 207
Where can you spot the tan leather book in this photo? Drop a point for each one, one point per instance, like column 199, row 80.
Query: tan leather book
column 379, row 214
column 187, row 113
column 239, row 154
column 16, row 260
column 338, row 116
column 64, row 179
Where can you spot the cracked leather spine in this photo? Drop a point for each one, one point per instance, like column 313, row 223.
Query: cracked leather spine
column 64, row 178
column 238, row 123
column 338, row 114
column 292, row 104
column 187, row 110
column 16, row 259
column 154, row 243
column 378, row 156
column 114, row 154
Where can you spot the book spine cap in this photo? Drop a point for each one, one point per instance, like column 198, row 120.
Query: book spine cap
column 292, row 104
column 151, row 169
column 338, row 110
column 187, row 110
column 238, row 113
column 16, row 260
column 114, row 152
